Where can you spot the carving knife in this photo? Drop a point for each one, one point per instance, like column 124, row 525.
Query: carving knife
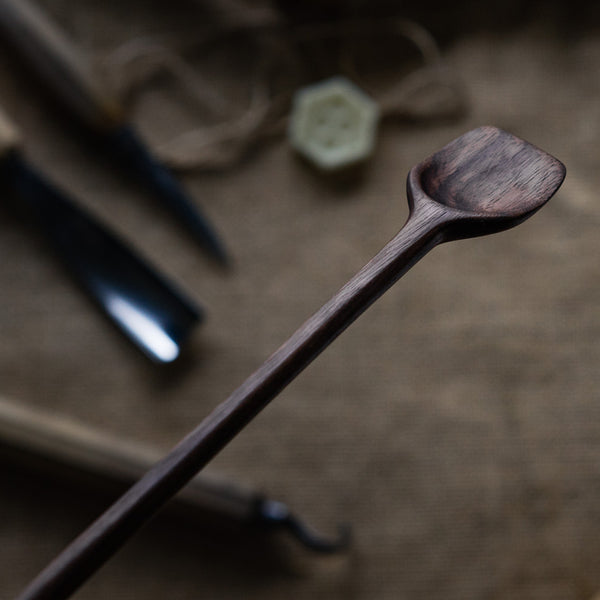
column 148, row 309
column 72, row 80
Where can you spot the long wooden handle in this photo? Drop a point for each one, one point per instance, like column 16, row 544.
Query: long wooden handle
column 9, row 135
column 62, row 68
column 95, row 545
column 69, row 449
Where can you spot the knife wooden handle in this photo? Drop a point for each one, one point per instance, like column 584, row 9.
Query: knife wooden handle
column 66, row 72
column 9, row 135
column 70, row 450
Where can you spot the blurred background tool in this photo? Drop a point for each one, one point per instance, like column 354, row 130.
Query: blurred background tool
column 72, row 453
column 72, row 80
column 147, row 309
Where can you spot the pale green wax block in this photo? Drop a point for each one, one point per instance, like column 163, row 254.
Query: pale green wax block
column 333, row 124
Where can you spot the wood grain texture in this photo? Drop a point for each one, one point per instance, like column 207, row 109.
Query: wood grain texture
column 438, row 213
column 488, row 175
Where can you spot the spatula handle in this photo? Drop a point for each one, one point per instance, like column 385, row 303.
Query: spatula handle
column 59, row 64
column 102, row 539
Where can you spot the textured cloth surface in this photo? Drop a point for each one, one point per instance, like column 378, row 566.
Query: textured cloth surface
column 456, row 425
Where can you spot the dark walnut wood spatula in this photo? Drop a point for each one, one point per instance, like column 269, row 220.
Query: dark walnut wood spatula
column 485, row 181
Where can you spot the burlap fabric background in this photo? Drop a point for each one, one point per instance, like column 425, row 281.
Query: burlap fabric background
column 456, row 425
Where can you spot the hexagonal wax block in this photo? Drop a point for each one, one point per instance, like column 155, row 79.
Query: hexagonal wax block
column 333, row 124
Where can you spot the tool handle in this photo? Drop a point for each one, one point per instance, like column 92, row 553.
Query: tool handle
column 69, row 449
column 95, row 545
column 66, row 72
column 72, row 452
column 9, row 135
